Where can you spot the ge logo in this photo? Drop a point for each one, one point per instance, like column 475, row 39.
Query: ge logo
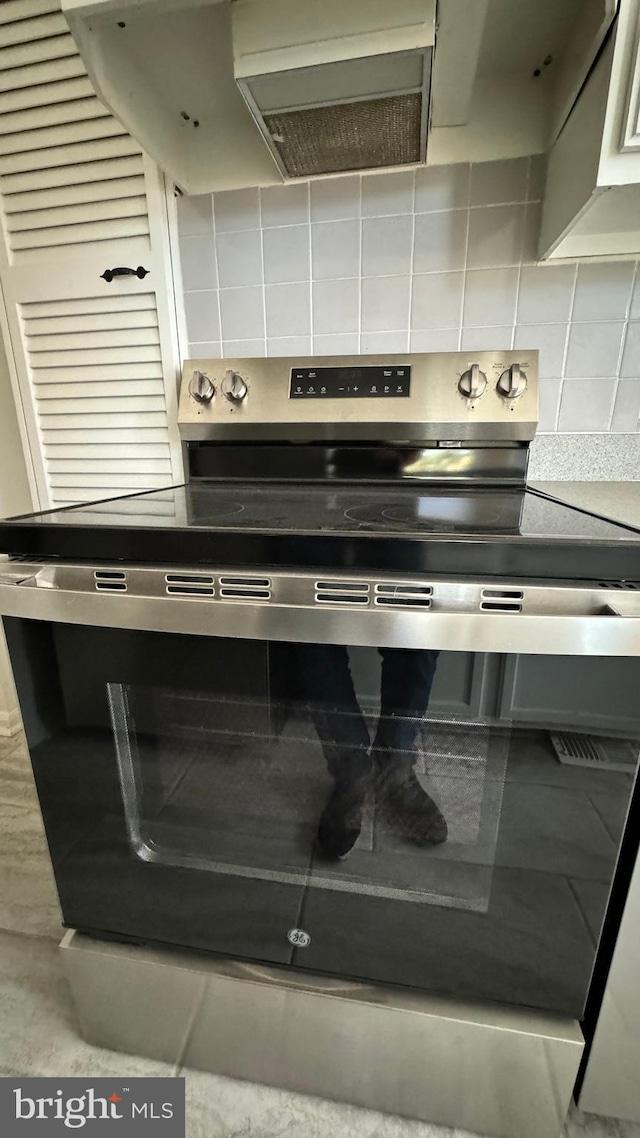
column 299, row 938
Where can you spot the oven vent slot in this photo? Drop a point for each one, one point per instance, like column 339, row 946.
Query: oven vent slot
column 403, row 595
column 190, row 584
column 342, row 592
column 619, row 585
column 245, row 587
column 501, row 600
column 110, row 581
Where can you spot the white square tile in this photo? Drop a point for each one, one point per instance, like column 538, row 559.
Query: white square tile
column 630, row 367
column 434, row 340
column 549, row 399
column 594, row 349
column 242, row 313
column 440, row 241
column 495, row 236
column 385, row 303
column 209, row 350
column 288, row 309
column 239, row 258
column 387, row 193
column 549, row 340
column 335, row 249
column 336, row 306
column 603, row 291
column 486, row 339
column 626, row 409
column 490, row 297
column 286, row 254
column 378, row 343
column 236, row 209
column 493, row 183
column 201, row 312
column 243, row 349
column 198, row 262
column 586, row 404
column 545, row 293
column 289, row 346
column 437, row 300
column 442, row 187
column 333, row 199
column 342, row 344
column 195, row 214
column 285, row 205
column 537, row 177
column 386, row 245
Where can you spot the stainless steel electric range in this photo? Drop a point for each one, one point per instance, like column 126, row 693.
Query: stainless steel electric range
column 353, row 700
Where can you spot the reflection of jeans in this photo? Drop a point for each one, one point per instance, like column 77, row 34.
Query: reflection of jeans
column 405, row 687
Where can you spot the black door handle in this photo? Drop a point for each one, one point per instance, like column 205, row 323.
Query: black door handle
column 109, row 274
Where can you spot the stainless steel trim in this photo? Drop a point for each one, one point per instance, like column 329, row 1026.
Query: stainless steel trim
column 554, row 618
column 386, row 1049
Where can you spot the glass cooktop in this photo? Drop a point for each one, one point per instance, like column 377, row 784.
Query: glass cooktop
column 380, row 511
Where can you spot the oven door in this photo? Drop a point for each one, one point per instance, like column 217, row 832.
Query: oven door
column 183, row 779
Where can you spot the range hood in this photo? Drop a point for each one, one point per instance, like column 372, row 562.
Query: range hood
column 225, row 94
column 333, row 85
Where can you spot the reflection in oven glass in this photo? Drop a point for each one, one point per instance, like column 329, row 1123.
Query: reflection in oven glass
column 338, row 778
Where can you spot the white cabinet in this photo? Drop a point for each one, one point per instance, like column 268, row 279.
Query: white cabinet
column 94, row 361
column 592, row 196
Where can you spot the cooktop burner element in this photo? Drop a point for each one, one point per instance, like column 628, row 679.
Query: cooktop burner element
column 428, row 513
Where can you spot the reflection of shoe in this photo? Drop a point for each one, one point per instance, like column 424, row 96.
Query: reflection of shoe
column 406, row 806
column 340, row 824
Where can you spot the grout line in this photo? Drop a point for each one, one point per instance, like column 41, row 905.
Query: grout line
column 566, row 346
column 466, row 260
column 412, row 263
column 310, row 266
column 623, row 344
column 522, row 241
column 215, row 259
column 264, row 291
column 360, row 230
column 399, row 213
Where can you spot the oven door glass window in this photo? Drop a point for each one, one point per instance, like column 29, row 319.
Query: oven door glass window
column 337, row 775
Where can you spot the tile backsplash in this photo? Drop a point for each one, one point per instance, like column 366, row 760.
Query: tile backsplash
column 437, row 259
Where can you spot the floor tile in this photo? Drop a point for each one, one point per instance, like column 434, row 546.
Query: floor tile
column 28, row 898
column 38, row 1030
column 16, row 779
column 533, row 759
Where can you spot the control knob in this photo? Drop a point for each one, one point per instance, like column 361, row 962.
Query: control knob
column 512, row 383
column 233, row 387
column 201, row 387
column 472, row 382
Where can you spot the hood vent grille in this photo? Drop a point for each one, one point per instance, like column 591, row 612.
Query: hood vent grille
column 342, row 592
column 348, row 136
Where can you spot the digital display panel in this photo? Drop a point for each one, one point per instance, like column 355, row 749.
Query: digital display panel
column 350, row 382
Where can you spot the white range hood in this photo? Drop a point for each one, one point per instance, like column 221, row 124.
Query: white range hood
column 224, row 94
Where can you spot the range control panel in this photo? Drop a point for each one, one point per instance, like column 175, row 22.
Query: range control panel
column 427, row 396
column 350, row 382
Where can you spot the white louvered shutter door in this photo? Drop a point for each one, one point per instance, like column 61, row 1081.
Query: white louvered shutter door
column 96, row 362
